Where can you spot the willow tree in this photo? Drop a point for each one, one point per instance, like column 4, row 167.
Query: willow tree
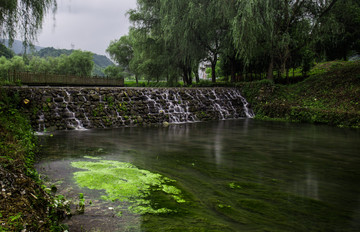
column 343, row 32
column 197, row 28
column 152, row 58
column 154, row 54
column 183, row 33
column 178, row 30
column 23, row 18
column 213, row 25
column 270, row 28
column 122, row 52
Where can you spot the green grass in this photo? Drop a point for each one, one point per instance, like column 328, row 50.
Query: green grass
column 329, row 96
column 143, row 83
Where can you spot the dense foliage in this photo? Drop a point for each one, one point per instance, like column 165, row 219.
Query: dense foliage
column 77, row 63
column 170, row 39
column 100, row 61
column 25, row 205
column 4, row 51
column 47, row 60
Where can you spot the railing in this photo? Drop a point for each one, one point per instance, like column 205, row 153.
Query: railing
column 27, row 78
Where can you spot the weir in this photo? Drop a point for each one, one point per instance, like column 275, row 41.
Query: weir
column 66, row 108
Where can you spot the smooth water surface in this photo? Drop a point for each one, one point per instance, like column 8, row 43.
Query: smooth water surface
column 238, row 175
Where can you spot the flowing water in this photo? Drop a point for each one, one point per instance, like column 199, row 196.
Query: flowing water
column 236, row 175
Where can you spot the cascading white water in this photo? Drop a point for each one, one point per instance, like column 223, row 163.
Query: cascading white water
column 248, row 111
column 72, row 118
column 81, row 108
column 61, row 111
column 41, row 123
column 169, row 103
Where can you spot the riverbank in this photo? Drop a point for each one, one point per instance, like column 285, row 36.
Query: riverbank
column 330, row 95
column 25, row 204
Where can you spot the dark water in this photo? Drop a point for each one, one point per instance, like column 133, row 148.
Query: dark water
column 241, row 175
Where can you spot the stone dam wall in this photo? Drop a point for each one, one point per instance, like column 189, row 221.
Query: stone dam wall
column 67, row 108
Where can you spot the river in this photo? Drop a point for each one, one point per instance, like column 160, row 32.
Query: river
column 235, row 175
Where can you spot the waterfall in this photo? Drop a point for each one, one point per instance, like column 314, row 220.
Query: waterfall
column 248, row 111
column 82, row 108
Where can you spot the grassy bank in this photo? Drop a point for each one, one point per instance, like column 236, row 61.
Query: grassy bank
column 24, row 201
column 331, row 95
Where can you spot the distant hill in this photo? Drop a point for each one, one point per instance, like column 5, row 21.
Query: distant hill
column 18, row 48
column 100, row 61
column 52, row 52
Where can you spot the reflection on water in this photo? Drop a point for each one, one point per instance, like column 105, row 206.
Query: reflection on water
column 241, row 175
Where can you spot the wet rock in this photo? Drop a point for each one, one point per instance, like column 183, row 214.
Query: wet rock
column 68, row 114
column 139, row 119
column 94, row 97
column 58, row 99
column 70, row 127
column 90, row 104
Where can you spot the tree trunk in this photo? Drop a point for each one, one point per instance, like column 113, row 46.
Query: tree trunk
column 270, row 69
column 137, row 80
column 284, row 60
column 184, row 79
column 294, row 71
column 233, row 74
column 197, row 78
column 189, row 76
column 287, row 75
column 185, row 76
column 213, row 68
column 213, row 72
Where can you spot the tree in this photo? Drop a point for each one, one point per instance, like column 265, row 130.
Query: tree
column 80, row 63
column 121, row 51
column 194, row 29
column 153, row 56
column 17, row 63
column 53, row 65
column 211, row 30
column 170, row 38
column 23, row 18
column 342, row 31
column 39, row 65
column 4, row 67
column 114, row 71
column 269, row 28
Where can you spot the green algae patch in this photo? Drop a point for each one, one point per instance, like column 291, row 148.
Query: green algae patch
column 126, row 183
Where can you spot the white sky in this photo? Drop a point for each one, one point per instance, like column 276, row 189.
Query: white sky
column 86, row 24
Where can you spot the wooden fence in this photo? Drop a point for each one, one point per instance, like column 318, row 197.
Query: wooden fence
column 34, row 79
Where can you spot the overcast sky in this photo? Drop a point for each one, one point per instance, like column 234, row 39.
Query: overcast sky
column 86, row 24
